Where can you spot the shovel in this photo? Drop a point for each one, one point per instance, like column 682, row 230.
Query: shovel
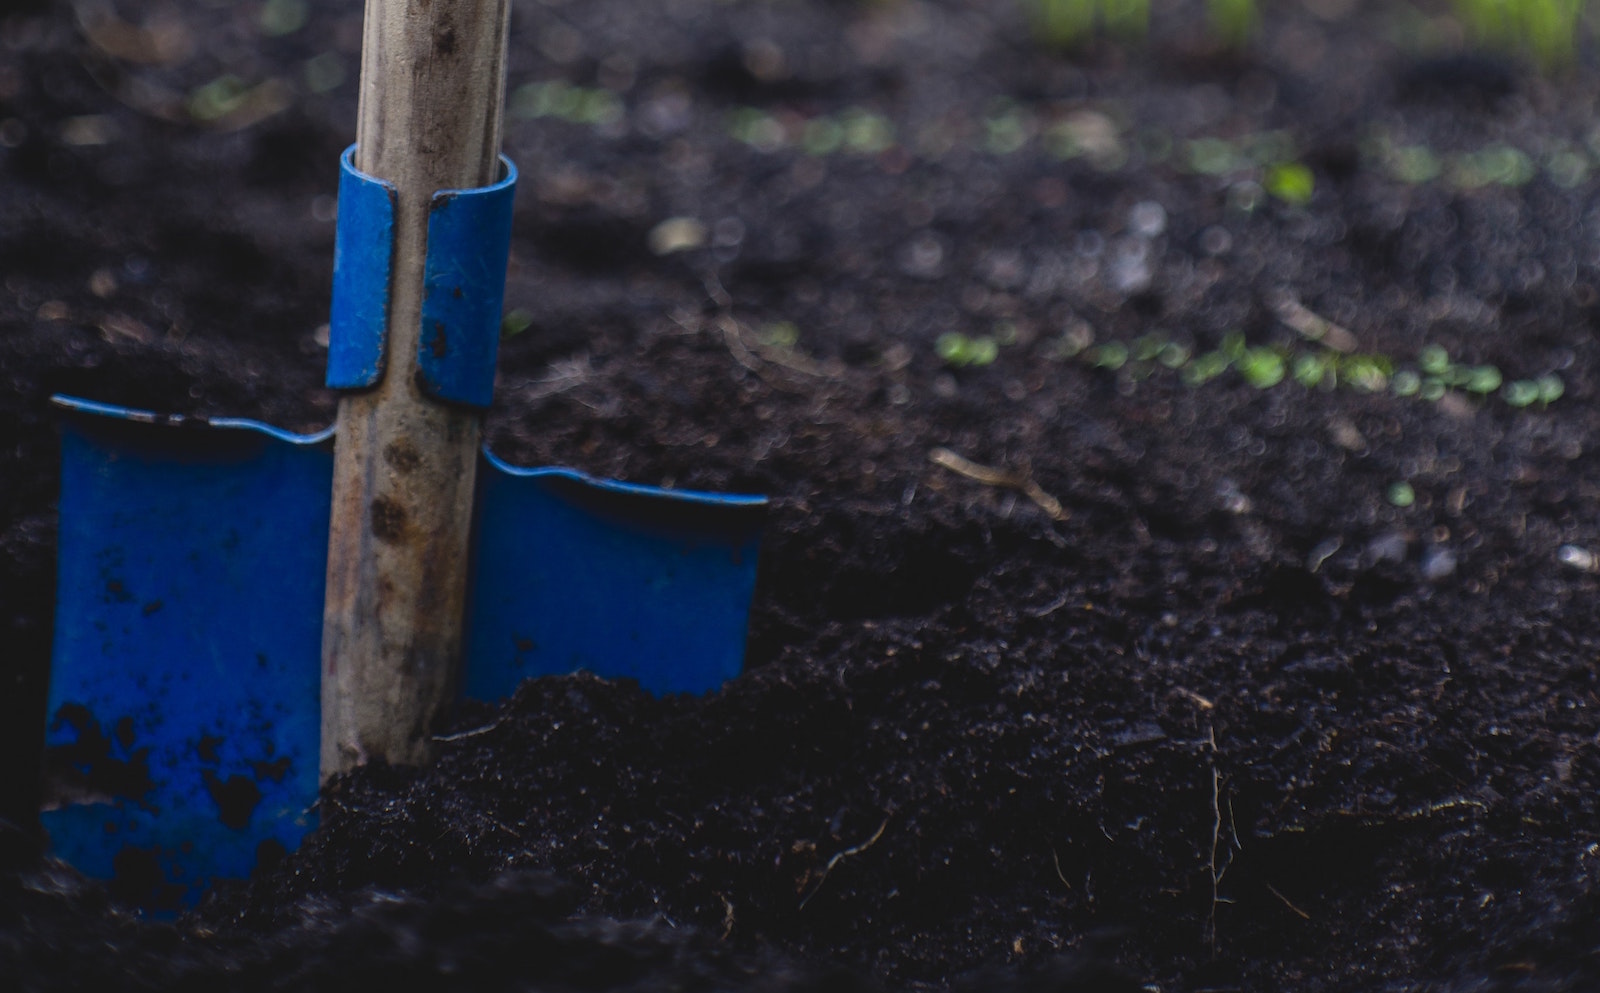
column 228, row 637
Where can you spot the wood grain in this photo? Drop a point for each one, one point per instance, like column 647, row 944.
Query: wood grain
column 432, row 89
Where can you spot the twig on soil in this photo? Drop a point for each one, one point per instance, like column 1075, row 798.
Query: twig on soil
column 1052, row 606
column 1193, row 697
column 727, row 916
column 1057, row 860
column 840, row 857
column 759, row 358
column 1218, row 868
column 472, row 733
column 1008, row 478
column 1313, row 326
column 1298, row 912
column 564, row 375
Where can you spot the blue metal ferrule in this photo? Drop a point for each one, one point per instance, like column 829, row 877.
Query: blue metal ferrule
column 469, row 245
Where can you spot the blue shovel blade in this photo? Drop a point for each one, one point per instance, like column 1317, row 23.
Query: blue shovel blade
column 184, row 704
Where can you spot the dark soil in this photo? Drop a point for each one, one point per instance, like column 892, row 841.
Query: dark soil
column 1236, row 720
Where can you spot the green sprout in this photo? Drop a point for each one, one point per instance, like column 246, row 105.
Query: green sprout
column 1545, row 29
column 1526, row 392
column 1007, row 129
column 865, row 132
column 959, row 351
column 1433, row 360
column 283, row 17
column 1232, row 22
column 1500, row 164
column 1205, row 367
column 1414, row 164
column 822, row 136
column 1367, row 373
column 1069, row 23
column 1402, row 494
column 1290, row 182
column 1213, row 156
column 515, row 322
column 1112, row 355
column 782, row 335
column 560, row 99
column 324, row 72
column 1265, row 366
column 1312, row 369
column 1262, row 368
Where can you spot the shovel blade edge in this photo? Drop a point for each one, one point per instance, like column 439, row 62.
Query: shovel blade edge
column 183, row 711
column 624, row 581
column 182, row 742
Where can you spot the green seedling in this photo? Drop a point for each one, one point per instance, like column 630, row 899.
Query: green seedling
column 1499, row 164
column 822, row 136
column 959, row 351
column 1069, row 23
column 1205, row 367
column 758, row 129
column 1232, row 22
column 1402, row 494
column 283, row 17
column 1112, row 355
column 865, row 132
column 1567, row 168
column 324, row 72
column 1007, row 129
column 1290, row 182
column 1544, row 29
column 1265, row 366
column 515, row 322
column 1213, row 156
column 1433, row 360
column 560, row 99
column 1406, row 383
column 1483, row 380
column 782, row 335
column 1314, row 369
column 1414, row 164
column 1262, row 368
column 1367, row 373
column 1064, row 23
column 1526, row 392
column 1173, row 355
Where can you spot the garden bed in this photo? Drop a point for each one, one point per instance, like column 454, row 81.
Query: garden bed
column 1184, row 536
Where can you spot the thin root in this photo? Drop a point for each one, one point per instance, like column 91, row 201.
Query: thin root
column 1007, row 478
column 840, row 857
column 1057, row 860
column 1298, row 912
column 1313, row 326
column 471, row 733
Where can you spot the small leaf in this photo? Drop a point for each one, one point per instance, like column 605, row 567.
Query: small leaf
column 1262, row 368
column 1291, row 182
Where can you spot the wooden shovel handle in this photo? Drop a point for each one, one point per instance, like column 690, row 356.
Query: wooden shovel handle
column 432, row 91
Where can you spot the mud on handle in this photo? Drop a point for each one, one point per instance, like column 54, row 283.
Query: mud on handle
column 469, row 245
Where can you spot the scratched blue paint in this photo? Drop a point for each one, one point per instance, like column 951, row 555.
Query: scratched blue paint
column 363, row 259
column 189, row 621
column 184, row 704
column 464, row 283
column 624, row 581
